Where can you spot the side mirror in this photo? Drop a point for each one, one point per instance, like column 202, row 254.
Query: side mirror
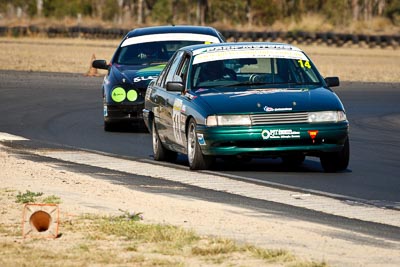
column 332, row 81
column 175, row 86
column 100, row 64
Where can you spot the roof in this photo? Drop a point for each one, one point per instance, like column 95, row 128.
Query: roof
column 267, row 45
column 173, row 29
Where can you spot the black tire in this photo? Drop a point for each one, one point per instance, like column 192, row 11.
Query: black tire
column 293, row 160
column 160, row 153
column 336, row 161
column 197, row 161
column 108, row 127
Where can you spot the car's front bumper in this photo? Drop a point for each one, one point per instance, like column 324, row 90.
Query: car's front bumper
column 277, row 140
column 120, row 113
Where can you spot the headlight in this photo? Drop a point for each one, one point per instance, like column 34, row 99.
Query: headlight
column 132, row 95
column 326, row 116
column 118, row 94
column 228, row 120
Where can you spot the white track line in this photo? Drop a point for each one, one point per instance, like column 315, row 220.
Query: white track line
column 218, row 183
column 11, row 137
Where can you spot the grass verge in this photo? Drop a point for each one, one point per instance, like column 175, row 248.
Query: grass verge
column 125, row 240
column 351, row 63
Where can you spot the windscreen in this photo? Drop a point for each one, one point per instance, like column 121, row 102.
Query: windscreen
column 150, row 52
column 261, row 66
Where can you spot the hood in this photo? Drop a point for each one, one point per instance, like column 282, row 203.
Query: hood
column 138, row 75
column 269, row 100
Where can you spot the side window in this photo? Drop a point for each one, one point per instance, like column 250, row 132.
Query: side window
column 173, row 67
column 161, row 77
column 183, row 70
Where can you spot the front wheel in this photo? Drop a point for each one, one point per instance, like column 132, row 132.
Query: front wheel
column 197, row 161
column 336, row 161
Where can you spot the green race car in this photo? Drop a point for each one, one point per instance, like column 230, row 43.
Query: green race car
column 246, row 100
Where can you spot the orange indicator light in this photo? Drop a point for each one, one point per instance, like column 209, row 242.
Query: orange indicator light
column 313, row 133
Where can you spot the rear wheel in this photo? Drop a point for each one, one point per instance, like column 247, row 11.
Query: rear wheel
column 197, row 161
column 160, row 153
column 336, row 161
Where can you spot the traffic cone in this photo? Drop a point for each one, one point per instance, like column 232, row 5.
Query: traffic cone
column 92, row 72
column 40, row 220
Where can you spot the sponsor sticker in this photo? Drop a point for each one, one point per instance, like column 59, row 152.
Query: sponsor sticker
column 200, row 139
column 176, row 120
column 251, row 52
column 278, row 134
column 271, row 109
column 190, row 96
column 264, row 92
column 118, row 94
column 201, row 90
column 143, row 78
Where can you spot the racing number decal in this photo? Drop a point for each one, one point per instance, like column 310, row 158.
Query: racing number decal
column 304, row 63
column 176, row 120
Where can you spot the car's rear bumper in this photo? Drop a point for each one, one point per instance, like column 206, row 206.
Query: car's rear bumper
column 272, row 140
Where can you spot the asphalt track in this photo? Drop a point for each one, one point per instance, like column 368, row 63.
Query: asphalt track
column 66, row 109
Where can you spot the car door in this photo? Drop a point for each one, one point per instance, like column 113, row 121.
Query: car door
column 179, row 103
column 169, row 105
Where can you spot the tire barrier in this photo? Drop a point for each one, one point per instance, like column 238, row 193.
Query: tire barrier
column 296, row 37
column 40, row 220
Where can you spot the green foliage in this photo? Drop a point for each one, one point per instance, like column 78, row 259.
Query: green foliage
column 227, row 12
column 393, row 11
column 32, row 197
column 109, row 10
column 265, row 14
column 27, row 197
column 61, row 8
column 162, row 12
column 134, row 216
column 134, row 230
column 337, row 12
column 52, row 200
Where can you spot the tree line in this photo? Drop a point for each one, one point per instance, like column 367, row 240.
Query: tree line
column 201, row 12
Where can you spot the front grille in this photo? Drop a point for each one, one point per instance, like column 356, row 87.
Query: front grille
column 279, row 118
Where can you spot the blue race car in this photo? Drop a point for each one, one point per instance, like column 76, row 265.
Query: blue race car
column 139, row 58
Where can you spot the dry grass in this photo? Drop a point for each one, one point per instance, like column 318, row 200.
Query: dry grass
column 356, row 63
column 94, row 240
column 54, row 55
column 75, row 55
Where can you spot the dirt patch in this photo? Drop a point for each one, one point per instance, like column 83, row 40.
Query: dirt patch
column 82, row 194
